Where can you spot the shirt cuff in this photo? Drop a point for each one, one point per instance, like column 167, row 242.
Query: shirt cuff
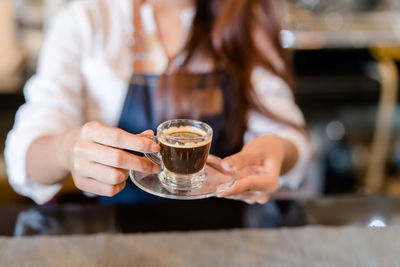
column 15, row 155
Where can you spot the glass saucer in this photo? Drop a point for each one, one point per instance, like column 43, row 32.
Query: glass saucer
column 217, row 181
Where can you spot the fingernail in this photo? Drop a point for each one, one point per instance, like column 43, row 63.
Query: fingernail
column 155, row 148
column 226, row 165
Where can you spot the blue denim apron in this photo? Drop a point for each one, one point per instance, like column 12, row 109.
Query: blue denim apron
column 138, row 115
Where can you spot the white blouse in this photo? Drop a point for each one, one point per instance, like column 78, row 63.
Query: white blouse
column 83, row 74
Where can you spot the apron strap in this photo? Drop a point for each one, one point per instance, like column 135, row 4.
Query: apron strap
column 138, row 46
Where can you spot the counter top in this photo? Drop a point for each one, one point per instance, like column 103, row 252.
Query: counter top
column 306, row 246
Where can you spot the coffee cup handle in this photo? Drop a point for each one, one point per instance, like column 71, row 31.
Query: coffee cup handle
column 153, row 157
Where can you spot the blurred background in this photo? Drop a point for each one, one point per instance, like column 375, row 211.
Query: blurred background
column 345, row 59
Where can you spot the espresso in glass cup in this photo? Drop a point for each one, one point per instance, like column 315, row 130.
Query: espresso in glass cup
column 184, row 148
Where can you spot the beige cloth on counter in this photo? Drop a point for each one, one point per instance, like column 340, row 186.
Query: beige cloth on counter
column 309, row 246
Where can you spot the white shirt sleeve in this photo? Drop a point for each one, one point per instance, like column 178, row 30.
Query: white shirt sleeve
column 277, row 97
column 54, row 102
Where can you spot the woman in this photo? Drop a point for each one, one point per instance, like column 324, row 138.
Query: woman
column 219, row 61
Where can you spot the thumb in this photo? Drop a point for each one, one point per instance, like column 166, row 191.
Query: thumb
column 147, row 132
column 150, row 135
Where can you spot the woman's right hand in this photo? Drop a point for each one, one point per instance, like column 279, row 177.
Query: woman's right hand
column 98, row 162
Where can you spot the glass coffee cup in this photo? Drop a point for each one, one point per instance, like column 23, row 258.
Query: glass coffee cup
column 184, row 148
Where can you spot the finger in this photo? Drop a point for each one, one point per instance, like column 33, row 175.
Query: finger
column 243, row 159
column 241, row 198
column 252, row 170
column 214, row 164
column 114, row 157
column 251, row 197
column 95, row 187
column 114, row 137
column 244, row 195
column 264, row 199
column 242, row 174
column 147, row 133
column 150, row 135
column 214, row 160
column 102, row 173
column 264, row 183
column 249, row 201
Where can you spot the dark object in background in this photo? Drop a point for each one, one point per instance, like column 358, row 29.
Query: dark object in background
column 329, row 81
column 209, row 214
column 339, row 173
column 333, row 78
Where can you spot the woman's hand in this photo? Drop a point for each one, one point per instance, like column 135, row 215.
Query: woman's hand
column 99, row 164
column 258, row 167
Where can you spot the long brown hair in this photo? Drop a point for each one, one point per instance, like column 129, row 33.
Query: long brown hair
column 223, row 32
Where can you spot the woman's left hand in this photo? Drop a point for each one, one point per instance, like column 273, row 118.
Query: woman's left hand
column 258, row 167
